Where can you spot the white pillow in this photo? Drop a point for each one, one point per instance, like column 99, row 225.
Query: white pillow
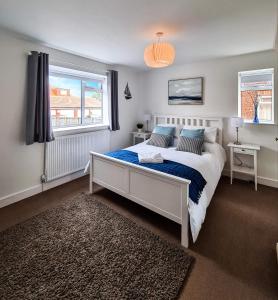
column 210, row 133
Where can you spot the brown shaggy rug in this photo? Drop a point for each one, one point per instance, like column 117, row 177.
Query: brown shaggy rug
column 85, row 250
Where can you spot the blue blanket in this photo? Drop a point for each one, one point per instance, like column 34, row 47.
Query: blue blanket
column 170, row 167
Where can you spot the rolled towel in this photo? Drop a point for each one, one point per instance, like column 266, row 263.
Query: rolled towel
column 150, row 157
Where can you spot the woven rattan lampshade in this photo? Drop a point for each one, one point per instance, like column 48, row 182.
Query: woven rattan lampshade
column 159, row 54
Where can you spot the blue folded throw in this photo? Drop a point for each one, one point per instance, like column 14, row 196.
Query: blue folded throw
column 170, row 167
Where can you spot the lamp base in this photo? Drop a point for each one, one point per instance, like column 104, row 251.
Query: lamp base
column 237, row 141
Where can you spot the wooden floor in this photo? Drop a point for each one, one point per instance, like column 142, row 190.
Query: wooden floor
column 235, row 252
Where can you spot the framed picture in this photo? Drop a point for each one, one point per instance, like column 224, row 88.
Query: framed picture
column 185, row 91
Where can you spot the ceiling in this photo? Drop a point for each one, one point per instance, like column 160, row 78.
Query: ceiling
column 117, row 31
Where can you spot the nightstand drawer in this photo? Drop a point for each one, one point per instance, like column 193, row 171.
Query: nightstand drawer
column 244, row 151
column 141, row 135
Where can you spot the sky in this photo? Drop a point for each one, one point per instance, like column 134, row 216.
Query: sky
column 73, row 84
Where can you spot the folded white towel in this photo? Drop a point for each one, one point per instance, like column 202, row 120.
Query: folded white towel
column 150, row 157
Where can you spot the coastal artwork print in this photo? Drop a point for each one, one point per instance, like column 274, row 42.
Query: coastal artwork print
column 185, row 91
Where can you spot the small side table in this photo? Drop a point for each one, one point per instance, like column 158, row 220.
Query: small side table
column 139, row 137
column 246, row 149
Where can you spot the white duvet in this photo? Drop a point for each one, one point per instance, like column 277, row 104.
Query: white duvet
column 210, row 164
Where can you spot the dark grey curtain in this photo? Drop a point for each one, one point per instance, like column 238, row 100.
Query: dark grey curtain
column 114, row 100
column 38, row 119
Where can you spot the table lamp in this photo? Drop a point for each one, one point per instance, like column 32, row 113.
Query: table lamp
column 236, row 122
column 147, row 118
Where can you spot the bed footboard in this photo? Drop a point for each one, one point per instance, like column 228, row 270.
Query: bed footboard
column 162, row 193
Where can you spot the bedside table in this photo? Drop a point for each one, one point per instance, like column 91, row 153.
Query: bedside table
column 139, row 137
column 245, row 149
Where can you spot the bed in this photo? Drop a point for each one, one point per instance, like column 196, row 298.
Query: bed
column 160, row 192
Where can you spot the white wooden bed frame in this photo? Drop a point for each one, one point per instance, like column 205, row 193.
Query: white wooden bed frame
column 162, row 193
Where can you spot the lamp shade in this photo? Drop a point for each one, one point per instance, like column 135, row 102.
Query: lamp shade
column 159, row 54
column 236, row 122
column 147, row 117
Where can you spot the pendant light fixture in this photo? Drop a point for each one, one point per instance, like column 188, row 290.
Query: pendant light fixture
column 159, row 54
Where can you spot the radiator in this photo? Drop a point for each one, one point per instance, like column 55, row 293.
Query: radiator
column 70, row 153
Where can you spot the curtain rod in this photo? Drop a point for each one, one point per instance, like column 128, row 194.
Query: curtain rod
column 75, row 65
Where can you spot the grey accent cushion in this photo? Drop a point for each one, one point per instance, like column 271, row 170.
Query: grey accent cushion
column 166, row 130
column 160, row 140
column 192, row 145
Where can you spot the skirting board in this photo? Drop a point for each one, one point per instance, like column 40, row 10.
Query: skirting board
column 15, row 197
column 261, row 180
column 62, row 180
column 18, row 196
column 277, row 251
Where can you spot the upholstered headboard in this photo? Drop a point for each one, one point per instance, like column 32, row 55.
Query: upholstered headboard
column 180, row 121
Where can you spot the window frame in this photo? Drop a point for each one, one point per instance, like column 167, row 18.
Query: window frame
column 266, row 102
column 82, row 76
column 83, row 99
column 257, row 72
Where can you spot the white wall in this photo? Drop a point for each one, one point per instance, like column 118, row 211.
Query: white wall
column 130, row 111
column 21, row 165
column 220, row 97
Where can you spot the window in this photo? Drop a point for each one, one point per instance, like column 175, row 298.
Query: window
column 256, row 96
column 77, row 98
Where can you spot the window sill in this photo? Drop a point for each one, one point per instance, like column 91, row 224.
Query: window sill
column 260, row 123
column 79, row 129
